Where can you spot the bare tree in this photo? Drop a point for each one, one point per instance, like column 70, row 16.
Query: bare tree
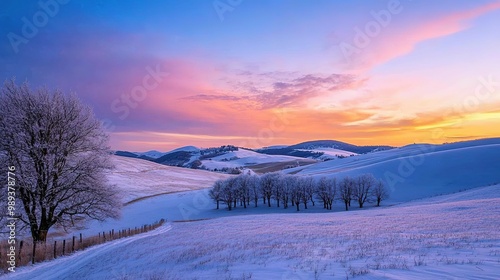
column 228, row 194
column 304, row 184
column 244, row 185
column 309, row 190
column 60, row 154
column 215, row 192
column 297, row 191
column 326, row 189
column 288, row 183
column 255, row 188
column 345, row 190
column 321, row 190
column 267, row 187
column 362, row 188
column 380, row 192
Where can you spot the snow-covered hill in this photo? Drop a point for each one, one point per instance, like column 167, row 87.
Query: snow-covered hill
column 154, row 154
column 422, row 170
column 321, row 149
column 449, row 237
column 245, row 158
column 222, row 159
column 185, row 149
column 151, row 154
column 330, row 153
column 138, row 178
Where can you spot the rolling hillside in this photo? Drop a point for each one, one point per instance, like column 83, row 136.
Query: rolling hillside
column 322, row 149
column 421, row 170
column 222, row 159
column 248, row 158
column 138, row 178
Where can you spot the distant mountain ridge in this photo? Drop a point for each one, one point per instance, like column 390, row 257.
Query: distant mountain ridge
column 309, row 145
column 193, row 157
column 310, row 149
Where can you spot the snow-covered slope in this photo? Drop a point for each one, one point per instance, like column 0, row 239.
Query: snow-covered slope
column 449, row 237
column 138, row 178
column 151, row 154
column 274, row 147
column 422, row 170
column 330, row 153
column 185, row 149
column 244, row 158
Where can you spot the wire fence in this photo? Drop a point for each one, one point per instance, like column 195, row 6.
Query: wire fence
column 31, row 253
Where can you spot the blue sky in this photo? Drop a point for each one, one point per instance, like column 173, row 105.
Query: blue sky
column 228, row 69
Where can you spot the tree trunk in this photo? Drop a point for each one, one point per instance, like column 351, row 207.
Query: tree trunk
column 378, row 202
column 298, row 205
column 43, row 235
column 346, row 206
column 217, row 204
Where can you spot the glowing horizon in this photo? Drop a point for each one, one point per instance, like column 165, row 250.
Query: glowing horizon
column 170, row 74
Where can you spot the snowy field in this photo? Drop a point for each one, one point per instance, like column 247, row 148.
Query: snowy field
column 414, row 235
column 137, row 178
column 448, row 237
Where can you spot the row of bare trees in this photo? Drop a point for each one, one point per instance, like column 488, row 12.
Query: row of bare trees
column 290, row 190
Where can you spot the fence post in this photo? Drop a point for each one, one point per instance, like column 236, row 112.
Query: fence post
column 33, row 253
column 81, row 241
column 104, row 236
column 64, row 246
column 73, row 245
column 55, row 246
column 19, row 254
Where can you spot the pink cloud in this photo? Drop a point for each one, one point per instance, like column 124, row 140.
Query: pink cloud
column 401, row 42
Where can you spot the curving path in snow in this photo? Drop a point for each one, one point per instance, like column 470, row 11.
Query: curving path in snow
column 65, row 267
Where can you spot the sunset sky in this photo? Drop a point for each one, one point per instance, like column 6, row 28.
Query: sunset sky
column 256, row 73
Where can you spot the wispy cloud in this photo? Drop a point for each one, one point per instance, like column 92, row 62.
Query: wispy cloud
column 273, row 90
column 402, row 40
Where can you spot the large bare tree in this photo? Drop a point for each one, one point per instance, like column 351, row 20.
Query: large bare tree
column 60, row 153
